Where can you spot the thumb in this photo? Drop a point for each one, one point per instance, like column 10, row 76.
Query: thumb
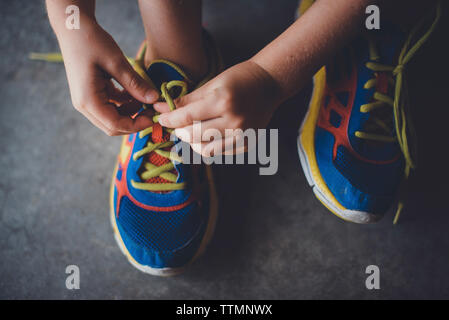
column 132, row 82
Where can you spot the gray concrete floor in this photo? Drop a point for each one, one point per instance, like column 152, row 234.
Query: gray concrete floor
column 273, row 240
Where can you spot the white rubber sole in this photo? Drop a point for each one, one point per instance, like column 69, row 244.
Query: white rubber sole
column 167, row 272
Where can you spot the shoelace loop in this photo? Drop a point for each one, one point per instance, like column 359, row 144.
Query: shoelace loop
column 151, row 170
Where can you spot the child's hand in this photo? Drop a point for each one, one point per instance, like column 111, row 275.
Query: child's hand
column 91, row 59
column 244, row 96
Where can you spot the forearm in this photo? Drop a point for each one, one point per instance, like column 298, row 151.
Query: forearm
column 293, row 57
column 57, row 13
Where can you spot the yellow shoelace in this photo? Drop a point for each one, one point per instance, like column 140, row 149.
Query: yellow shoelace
column 402, row 119
column 151, row 170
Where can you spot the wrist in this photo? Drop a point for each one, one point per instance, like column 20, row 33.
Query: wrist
column 268, row 84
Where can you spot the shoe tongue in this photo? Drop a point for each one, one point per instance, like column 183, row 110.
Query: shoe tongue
column 388, row 42
column 389, row 39
column 161, row 71
column 158, row 134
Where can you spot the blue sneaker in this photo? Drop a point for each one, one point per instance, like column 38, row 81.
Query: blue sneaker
column 163, row 212
column 353, row 143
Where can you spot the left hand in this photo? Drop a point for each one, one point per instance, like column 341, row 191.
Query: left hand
column 243, row 96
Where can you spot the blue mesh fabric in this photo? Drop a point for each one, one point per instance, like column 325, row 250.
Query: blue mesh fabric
column 374, row 179
column 356, row 185
column 160, row 72
column 159, row 231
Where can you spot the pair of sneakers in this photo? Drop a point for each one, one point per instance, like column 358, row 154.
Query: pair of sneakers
column 353, row 146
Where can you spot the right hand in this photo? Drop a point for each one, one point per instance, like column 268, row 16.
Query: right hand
column 92, row 59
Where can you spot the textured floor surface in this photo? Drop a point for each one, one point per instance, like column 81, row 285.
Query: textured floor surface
column 273, row 240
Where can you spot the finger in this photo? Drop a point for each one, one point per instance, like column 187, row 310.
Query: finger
column 203, row 109
column 116, row 95
column 193, row 96
column 93, row 120
column 218, row 147
column 233, row 148
column 180, row 102
column 106, row 117
column 161, row 107
column 201, row 130
column 131, row 81
column 129, row 108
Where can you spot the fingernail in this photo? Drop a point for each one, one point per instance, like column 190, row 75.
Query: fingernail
column 151, row 96
column 156, row 105
column 161, row 120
